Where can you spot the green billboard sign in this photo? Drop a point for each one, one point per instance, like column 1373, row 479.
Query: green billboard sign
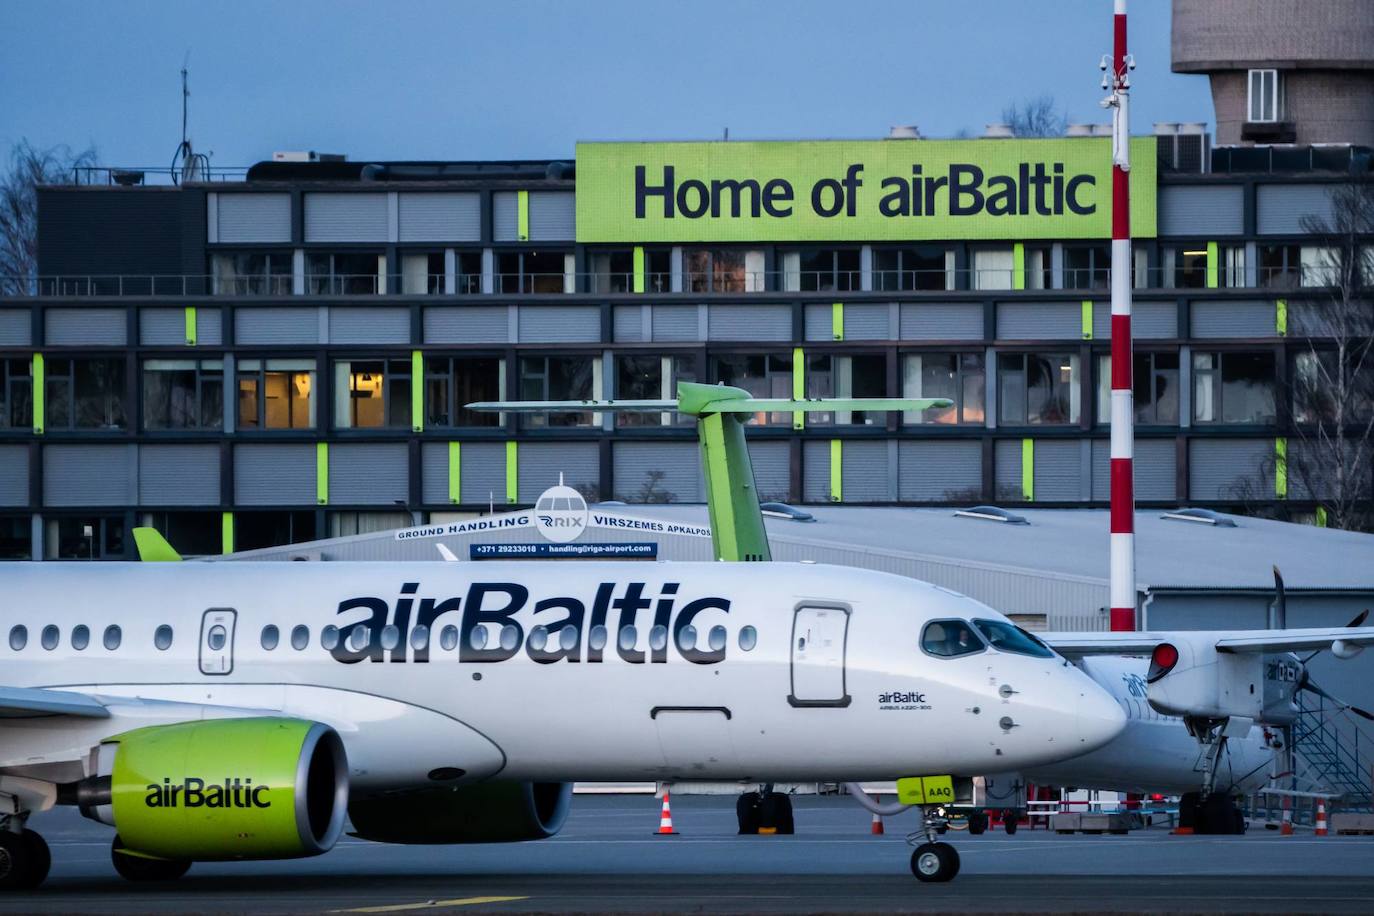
column 857, row 190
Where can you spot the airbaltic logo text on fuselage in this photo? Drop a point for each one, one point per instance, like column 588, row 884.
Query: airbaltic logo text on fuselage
column 902, row 699
column 497, row 620
column 194, row 793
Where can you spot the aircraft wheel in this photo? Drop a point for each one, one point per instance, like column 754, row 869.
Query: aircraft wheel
column 40, row 859
column 776, row 812
column 1009, row 820
column 139, row 868
column 977, row 823
column 934, row 862
column 747, row 812
column 15, row 858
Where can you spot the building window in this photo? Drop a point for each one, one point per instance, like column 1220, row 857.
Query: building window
column 763, row 375
column 1186, row 267
column 193, row 534
column 372, row 393
column 16, row 394
column 650, row 378
column 993, row 268
column 722, row 270
column 560, row 378
column 256, row 530
column 84, row 394
column 1087, row 266
column 1154, row 378
column 612, row 270
column 16, row 537
column 84, row 538
column 927, row 267
column 957, row 376
column 276, row 393
column 183, row 394
column 352, row 273
column 347, row 524
column 251, row 273
column 532, row 272
column 860, row 376
column 821, row 270
column 1288, row 266
column 1036, row 389
column 1317, row 380
column 1233, row 387
column 1266, row 96
column 454, row 381
column 422, row 273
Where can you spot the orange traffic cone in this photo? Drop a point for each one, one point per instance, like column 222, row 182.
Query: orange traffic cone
column 877, row 828
column 1287, row 828
column 1321, row 818
column 665, row 819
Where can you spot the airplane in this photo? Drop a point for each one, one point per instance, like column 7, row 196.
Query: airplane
column 235, row 711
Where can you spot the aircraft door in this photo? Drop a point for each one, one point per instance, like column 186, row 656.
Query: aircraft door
column 819, row 635
column 217, row 641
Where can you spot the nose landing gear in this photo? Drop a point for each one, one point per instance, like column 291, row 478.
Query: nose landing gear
column 932, row 861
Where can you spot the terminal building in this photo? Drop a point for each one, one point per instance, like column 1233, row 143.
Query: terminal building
column 283, row 354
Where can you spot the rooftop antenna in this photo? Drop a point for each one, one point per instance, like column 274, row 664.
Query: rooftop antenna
column 187, row 165
column 727, row 134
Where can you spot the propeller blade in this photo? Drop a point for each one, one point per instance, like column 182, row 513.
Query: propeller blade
column 1309, row 684
column 1280, row 602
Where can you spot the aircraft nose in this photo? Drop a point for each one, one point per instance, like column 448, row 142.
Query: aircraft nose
column 1100, row 717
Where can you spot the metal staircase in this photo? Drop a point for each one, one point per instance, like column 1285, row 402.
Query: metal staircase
column 1336, row 750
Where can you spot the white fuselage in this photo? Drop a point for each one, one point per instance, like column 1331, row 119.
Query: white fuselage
column 835, row 685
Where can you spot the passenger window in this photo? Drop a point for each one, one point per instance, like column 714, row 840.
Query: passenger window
column 19, row 637
column 687, row 638
column 748, row 639
column 391, row 636
column 300, row 637
column 510, row 637
column 359, row 638
column 81, row 637
column 1008, row 637
column 478, row 637
column 270, row 637
column 628, row 637
column 658, row 638
column 162, row 637
column 567, row 638
column 950, row 638
column 539, row 636
column 217, row 637
column 596, row 638
column 50, row 637
column 112, row 637
column 716, row 639
column 448, row 638
column 329, row 637
column 419, row 637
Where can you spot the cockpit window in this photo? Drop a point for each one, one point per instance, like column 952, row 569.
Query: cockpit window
column 950, row 638
column 1008, row 637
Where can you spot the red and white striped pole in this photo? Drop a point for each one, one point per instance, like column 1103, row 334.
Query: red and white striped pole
column 1123, row 407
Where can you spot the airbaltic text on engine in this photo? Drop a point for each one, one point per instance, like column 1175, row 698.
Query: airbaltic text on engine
column 193, row 793
column 497, row 604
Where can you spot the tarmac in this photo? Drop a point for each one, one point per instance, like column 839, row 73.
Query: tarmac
column 607, row 859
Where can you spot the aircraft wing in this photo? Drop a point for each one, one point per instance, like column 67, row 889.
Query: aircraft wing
column 1077, row 645
column 29, row 702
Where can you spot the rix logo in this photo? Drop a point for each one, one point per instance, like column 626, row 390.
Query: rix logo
column 193, row 793
column 548, row 521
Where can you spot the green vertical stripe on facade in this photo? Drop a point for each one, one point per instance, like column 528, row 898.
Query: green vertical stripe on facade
column 1018, row 265
column 1321, row 516
column 1028, row 470
column 455, row 472
column 1281, row 317
column 522, row 215
column 190, row 325
column 417, row 391
column 39, row 393
column 322, row 473
column 1087, row 319
column 512, row 471
column 1281, row 468
column 837, row 320
column 226, row 532
column 836, row 470
column 639, row 269
column 1213, row 268
column 798, row 385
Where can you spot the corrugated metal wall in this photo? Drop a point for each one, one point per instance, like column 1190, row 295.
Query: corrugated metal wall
column 483, row 472
column 628, row 323
column 633, row 463
column 1230, row 469
column 434, row 472
column 369, row 325
column 16, row 328
column 271, row 326
column 83, row 327
column 1201, row 211
column 930, row 469
column 368, row 473
column 1006, row 469
column 553, row 216
column 90, row 475
column 440, row 216
column 467, row 324
column 749, row 322
column 167, row 327
column 252, row 217
column 942, row 321
column 504, row 217
column 559, row 323
column 14, row 475
column 1234, row 319
column 1156, row 469
column 1059, row 471
column 274, row 475
column 676, row 323
column 542, row 462
column 178, row 475
column 1149, row 320
column 1280, row 208
column 1039, row 320
column 864, row 472
column 772, row 470
column 331, row 217
column 815, row 472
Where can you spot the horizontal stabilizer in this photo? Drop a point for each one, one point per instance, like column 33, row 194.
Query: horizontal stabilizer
column 1077, row 645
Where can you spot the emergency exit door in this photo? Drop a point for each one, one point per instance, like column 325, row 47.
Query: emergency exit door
column 217, row 641
column 818, row 648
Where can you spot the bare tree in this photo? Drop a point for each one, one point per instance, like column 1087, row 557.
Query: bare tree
column 28, row 168
column 1331, row 458
column 1035, row 117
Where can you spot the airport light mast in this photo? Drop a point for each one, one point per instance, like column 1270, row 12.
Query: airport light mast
column 1118, row 81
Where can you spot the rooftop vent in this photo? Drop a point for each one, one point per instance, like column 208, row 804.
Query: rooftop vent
column 1203, row 516
column 992, row 514
column 783, row 510
column 308, row 155
column 997, row 130
column 904, row 132
column 1079, row 130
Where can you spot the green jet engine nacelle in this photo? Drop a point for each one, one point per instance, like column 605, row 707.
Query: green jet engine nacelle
column 252, row 788
column 737, row 530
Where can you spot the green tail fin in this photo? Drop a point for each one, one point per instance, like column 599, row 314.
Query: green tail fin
column 153, row 547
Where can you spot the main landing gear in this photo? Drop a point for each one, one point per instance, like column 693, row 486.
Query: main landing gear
column 765, row 811
column 24, row 857
column 932, row 861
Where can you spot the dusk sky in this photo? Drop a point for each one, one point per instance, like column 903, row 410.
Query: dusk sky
column 448, row 80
